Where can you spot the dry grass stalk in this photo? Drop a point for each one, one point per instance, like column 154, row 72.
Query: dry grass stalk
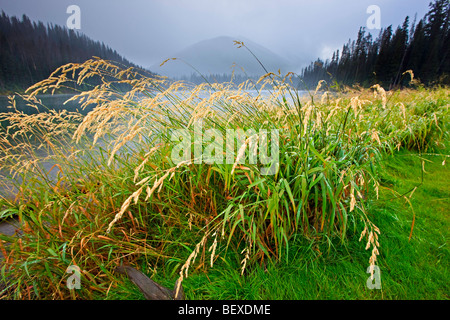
column 372, row 241
column 213, row 248
column 307, row 109
column 241, row 153
column 190, row 260
column 246, row 257
column 319, row 85
column 352, row 199
column 379, row 90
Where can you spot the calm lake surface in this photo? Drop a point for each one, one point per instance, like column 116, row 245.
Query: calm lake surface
column 56, row 102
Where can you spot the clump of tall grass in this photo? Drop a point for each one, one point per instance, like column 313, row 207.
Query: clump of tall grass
column 119, row 197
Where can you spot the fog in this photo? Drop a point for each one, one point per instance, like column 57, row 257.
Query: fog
column 148, row 32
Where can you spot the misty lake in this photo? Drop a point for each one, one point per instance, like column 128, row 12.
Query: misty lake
column 56, row 102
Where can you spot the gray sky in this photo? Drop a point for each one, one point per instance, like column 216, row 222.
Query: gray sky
column 148, row 32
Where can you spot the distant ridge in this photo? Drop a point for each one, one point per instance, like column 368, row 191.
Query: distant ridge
column 218, row 55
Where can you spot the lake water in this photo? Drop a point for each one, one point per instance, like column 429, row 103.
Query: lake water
column 56, row 102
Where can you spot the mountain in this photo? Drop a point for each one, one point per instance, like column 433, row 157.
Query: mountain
column 30, row 51
column 217, row 56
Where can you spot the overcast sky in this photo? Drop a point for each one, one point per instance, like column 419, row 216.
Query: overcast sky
column 149, row 31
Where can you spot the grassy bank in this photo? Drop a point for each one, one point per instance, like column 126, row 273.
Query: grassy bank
column 410, row 269
column 338, row 202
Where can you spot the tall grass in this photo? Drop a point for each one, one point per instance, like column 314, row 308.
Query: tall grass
column 119, row 197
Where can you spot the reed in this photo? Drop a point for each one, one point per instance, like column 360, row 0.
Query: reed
column 119, row 197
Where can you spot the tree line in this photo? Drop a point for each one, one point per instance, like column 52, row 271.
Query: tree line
column 423, row 47
column 30, row 51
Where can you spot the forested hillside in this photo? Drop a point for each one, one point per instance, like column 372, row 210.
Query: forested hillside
column 421, row 46
column 30, row 51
